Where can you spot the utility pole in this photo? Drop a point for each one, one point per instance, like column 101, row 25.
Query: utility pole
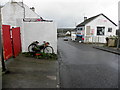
column 118, row 42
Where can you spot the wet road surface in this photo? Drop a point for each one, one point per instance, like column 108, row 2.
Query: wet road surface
column 82, row 66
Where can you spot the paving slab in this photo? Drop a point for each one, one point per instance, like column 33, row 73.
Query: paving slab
column 27, row 72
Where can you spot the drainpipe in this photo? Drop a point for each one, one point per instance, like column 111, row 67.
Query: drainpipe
column 23, row 9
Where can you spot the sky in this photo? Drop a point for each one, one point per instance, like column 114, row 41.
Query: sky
column 69, row 13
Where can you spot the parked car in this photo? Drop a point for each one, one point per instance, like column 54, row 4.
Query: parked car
column 65, row 39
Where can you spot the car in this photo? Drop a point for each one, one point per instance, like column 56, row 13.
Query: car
column 65, row 39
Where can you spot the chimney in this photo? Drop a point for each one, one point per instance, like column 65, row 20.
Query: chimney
column 33, row 9
column 85, row 18
column 13, row 1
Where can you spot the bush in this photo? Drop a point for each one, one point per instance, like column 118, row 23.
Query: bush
column 111, row 41
column 40, row 55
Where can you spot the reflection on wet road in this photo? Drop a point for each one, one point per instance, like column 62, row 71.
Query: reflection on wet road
column 82, row 66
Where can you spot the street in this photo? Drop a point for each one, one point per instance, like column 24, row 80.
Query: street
column 82, row 66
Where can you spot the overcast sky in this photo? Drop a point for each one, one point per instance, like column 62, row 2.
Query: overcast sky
column 68, row 13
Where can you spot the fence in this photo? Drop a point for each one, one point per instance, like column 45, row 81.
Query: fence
column 95, row 40
column 11, row 41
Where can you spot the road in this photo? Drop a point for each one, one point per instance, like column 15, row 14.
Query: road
column 82, row 66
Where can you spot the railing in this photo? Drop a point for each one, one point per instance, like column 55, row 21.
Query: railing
column 95, row 40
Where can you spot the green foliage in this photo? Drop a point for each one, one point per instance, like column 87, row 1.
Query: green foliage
column 113, row 37
column 40, row 55
column 28, row 54
column 51, row 56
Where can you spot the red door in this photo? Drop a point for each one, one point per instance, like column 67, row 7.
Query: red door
column 7, row 45
column 16, row 40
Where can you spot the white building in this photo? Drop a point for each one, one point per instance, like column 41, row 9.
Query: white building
column 16, row 10
column 68, row 33
column 73, row 35
column 96, row 29
column 32, row 28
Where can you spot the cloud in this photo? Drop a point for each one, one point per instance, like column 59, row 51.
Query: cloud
column 68, row 12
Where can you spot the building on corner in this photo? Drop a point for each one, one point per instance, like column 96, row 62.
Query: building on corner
column 32, row 26
column 96, row 29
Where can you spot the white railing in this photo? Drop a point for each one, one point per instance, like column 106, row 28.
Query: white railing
column 95, row 39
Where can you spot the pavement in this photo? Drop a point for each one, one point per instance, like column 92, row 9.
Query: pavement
column 27, row 72
column 108, row 49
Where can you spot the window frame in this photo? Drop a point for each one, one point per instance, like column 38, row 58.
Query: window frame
column 110, row 29
column 100, row 31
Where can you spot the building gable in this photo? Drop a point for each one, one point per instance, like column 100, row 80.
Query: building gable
column 15, row 10
column 93, row 18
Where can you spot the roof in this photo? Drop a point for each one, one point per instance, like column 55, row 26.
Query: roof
column 91, row 19
column 1, row 6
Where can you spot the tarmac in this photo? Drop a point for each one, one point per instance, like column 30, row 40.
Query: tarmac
column 28, row 72
column 108, row 49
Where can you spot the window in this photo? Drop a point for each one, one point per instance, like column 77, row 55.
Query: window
column 109, row 29
column 100, row 30
column 80, row 29
column 88, row 28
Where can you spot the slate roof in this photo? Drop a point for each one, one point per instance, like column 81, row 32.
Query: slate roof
column 92, row 18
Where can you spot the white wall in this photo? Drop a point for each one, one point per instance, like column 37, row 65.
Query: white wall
column 102, row 21
column 13, row 11
column 38, row 31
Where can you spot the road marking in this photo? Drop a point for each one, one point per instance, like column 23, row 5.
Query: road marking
column 52, row 77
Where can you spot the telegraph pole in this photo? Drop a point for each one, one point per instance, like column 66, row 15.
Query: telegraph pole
column 118, row 42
